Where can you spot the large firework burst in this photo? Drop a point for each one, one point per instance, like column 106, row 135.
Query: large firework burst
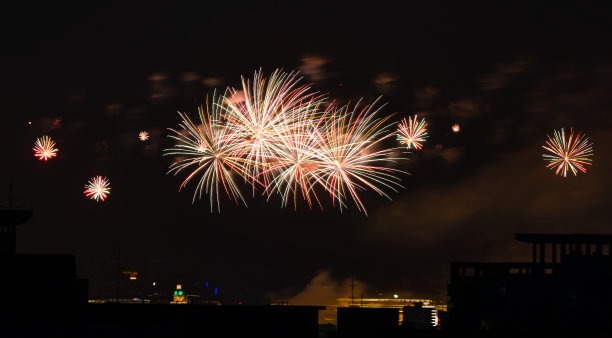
column 44, row 148
column 286, row 140
column 98, row 188
column 412, row 132
column 572, row 153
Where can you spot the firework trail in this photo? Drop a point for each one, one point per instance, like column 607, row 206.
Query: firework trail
column 412, row 132
column 208, row 149
column 44, row 148
column 572, row 153
column 98, row 188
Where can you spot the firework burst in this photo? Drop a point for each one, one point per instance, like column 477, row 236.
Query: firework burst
column 295, row 163
column 44, row 148
column 412, row 132
column 269, row 112
column 349, row 159
column 209, row 150
column 98, row 188
column 572, row 153
column 277, row 135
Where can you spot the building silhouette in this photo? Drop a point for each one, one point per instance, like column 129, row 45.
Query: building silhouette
column 371, row 322
column 41, row 296
column 420, row 316
column 567, row 287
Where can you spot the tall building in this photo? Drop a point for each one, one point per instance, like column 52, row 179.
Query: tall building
column 566, row 287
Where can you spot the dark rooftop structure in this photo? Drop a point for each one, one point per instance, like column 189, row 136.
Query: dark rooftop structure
column 372, row 322
column 41, row 296
column 566, row 287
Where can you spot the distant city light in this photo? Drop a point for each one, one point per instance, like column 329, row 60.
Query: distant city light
column 215, row 291
column 456, row 128
column 395, row 296
column 153, row 283
column 206, row 284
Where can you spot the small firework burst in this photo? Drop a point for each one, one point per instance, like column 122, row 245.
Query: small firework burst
column 98, row 188
column 44, row 148
column 143, row 136
column 456, row 128
column 412, row 132
column 572, row 153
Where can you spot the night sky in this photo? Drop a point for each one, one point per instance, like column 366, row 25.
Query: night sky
column 92, row 78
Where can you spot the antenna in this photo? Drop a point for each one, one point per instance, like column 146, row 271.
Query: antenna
column 11, row 187
column 353, row 285
column 118, row 274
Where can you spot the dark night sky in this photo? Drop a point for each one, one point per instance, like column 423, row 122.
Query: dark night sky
column 92, row 78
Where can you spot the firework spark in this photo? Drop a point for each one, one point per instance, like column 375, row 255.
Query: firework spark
column 143, row 136
column 456, row 128
column 98, row 188
column 572, row 153
column 44, row 148
column 412, row 132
